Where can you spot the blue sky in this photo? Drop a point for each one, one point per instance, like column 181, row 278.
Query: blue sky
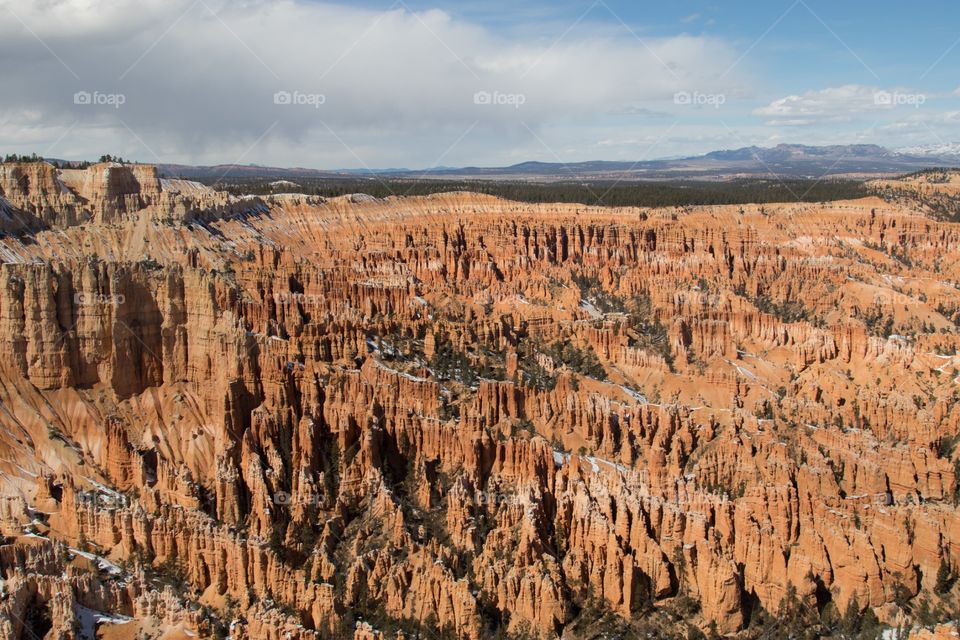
column 816, row 41
column 419, row 83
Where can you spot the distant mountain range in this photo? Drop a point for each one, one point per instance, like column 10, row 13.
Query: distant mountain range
column 942, row 149
column 785, row 161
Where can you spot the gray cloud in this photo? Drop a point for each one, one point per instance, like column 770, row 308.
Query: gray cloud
column 198, row 81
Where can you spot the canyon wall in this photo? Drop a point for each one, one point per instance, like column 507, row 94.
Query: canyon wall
column 292, row 417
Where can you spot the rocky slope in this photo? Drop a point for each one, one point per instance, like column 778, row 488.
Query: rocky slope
column 298, row 418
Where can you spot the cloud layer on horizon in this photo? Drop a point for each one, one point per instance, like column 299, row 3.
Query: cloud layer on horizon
column 328, row 85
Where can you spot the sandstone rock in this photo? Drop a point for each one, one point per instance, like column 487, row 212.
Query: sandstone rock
column 460, row 413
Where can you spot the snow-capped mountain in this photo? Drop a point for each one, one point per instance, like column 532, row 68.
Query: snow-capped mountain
column 941, row 149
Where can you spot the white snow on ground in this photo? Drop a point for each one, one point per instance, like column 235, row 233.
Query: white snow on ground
column 596, row 461
column 589, row 308
column 400, row 373
column 89, row 619
column 560, row 458
column 102, row 563
column 744, row 372
column 636, row 395
column 107, row 490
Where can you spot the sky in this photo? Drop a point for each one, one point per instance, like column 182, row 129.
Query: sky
column 425, row 83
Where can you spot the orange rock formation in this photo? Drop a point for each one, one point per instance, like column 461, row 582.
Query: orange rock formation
column 302, row 418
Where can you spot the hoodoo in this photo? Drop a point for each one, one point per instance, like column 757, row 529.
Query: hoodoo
column 296, row 417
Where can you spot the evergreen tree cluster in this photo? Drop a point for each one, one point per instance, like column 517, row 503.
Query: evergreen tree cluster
column 672, row 193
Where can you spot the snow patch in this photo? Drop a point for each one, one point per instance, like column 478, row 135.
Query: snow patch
column 590, row 309
column 102, row 563
column 89, row 619
column 636, row 395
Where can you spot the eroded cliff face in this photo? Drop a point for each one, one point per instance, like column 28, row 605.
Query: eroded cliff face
column 296, row 418
column 36, row 196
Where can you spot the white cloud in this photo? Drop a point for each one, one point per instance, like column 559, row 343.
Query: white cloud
column 838, row 104
column 925, row 123
column 398, row 87
column 637, row 110
column 833, row 103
